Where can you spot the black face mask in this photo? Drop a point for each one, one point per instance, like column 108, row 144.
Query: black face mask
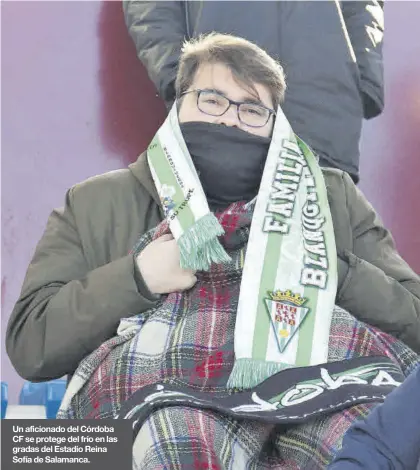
column 228, row 160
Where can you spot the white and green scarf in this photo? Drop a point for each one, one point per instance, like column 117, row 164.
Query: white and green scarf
column 289, row 278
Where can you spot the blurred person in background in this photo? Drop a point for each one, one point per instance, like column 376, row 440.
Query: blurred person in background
column 331, row 52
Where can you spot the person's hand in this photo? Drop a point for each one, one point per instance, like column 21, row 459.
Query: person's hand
column 159, row 266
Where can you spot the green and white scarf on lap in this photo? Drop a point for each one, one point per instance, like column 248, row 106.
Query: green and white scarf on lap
column 289, row 279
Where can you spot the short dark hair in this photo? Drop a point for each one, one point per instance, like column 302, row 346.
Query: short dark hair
column 248, row 63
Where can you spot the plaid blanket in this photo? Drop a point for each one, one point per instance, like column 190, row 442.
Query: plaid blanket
column 185, row 438
column 187, row 340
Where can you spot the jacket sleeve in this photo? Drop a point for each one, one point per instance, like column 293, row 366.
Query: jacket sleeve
column 65, row 309
column 158, row 30
column 380, row 288
column 389, row 438
column 365, row 25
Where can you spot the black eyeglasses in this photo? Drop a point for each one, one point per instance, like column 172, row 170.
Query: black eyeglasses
column 214, row 103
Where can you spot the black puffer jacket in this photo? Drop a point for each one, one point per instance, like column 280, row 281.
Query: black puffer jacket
column 331, row 52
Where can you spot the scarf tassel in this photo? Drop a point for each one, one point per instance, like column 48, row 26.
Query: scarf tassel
column 199, row 246
column 247, row 373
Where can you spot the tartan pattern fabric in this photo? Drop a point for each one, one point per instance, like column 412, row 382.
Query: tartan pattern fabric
column 188, row 340
column 186, row 438
column 175, row 438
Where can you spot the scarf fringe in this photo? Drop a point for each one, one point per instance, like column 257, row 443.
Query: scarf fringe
column 248, row 373
column 199, row 246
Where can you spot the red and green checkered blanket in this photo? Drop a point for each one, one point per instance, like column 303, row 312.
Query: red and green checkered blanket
column 187, row 341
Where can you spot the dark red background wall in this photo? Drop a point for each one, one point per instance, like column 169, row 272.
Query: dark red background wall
column 76, row 102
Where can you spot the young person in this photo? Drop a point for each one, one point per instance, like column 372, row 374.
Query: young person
column 247, row 263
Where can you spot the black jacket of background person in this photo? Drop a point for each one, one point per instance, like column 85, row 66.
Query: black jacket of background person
column 331, row 52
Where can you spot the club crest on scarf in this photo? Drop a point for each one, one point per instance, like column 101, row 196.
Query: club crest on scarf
column 286, row 315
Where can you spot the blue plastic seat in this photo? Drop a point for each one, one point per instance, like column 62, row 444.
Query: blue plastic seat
column 48, row 394
column 4, row 399
column 33, row 394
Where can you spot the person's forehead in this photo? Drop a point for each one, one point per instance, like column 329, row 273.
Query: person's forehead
column 219, row 77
